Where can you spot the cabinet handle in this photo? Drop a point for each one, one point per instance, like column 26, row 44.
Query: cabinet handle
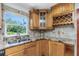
column 31, row 46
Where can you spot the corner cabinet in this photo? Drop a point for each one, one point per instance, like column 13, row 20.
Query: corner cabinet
column 40, row 19
column 0, row 16
column 44, row 48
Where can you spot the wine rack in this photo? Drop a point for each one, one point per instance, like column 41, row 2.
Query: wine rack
column 63, row 20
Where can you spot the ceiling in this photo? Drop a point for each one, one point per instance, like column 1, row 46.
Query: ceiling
column 41, row 5
column 27, row 6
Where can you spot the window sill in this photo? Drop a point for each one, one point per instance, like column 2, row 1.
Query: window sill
column 14, row 35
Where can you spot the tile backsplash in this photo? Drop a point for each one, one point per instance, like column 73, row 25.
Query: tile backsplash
column 62, row 32
column 34, row 35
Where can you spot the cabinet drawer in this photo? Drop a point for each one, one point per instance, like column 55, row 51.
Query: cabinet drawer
column 21, row 47
column 14, row 49
column 20, row 53
column 11, row 50
column 28, row 45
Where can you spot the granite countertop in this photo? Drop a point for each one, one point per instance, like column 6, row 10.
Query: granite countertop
column 11, row 45
column 65, row 41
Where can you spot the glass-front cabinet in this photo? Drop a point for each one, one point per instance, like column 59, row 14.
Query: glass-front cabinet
column 39, row 19
column 42, row 20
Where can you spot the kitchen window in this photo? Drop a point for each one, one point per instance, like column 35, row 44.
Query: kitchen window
column 15, row 24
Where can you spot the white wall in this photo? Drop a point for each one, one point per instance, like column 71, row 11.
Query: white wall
column 1, row 37
column 16, row 6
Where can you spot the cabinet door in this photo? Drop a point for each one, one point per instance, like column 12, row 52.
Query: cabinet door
column 52, row 48
column 14, row 50
column 20, row 53
column 60, row 49
column 49, row 21
column 68, row 7
column 30, row 50
column 34, row 20
column 38, row 48
column 44, row 47
column 54, row 11
column 56, row 49
column 0, row 16
column 11, row 50
column 57, row 10
column 69, row 50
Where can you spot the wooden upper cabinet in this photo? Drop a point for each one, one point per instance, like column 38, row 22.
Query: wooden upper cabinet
column 49, row 21
column 34, row 19
column 40, row 19
column 0, row 16
column 62, row 8
column 57, row 10
column 68, row 7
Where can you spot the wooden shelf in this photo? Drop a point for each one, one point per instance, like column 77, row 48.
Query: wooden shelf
column 63, row 19
column 63, row 13
column 65, row 23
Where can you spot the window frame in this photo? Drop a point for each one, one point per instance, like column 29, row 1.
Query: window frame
column 17, row 34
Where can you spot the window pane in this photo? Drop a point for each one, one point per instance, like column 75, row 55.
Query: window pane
column 13, row 29
column 15, row 23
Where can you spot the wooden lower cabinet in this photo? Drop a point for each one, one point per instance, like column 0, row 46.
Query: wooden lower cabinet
column 44, row 48
column 69, row 50
column 20, row 53
column 37, row 48
column 56, row 48
column 15, row 51
column 31, row 49
column 60, row 49
column 52, row 48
